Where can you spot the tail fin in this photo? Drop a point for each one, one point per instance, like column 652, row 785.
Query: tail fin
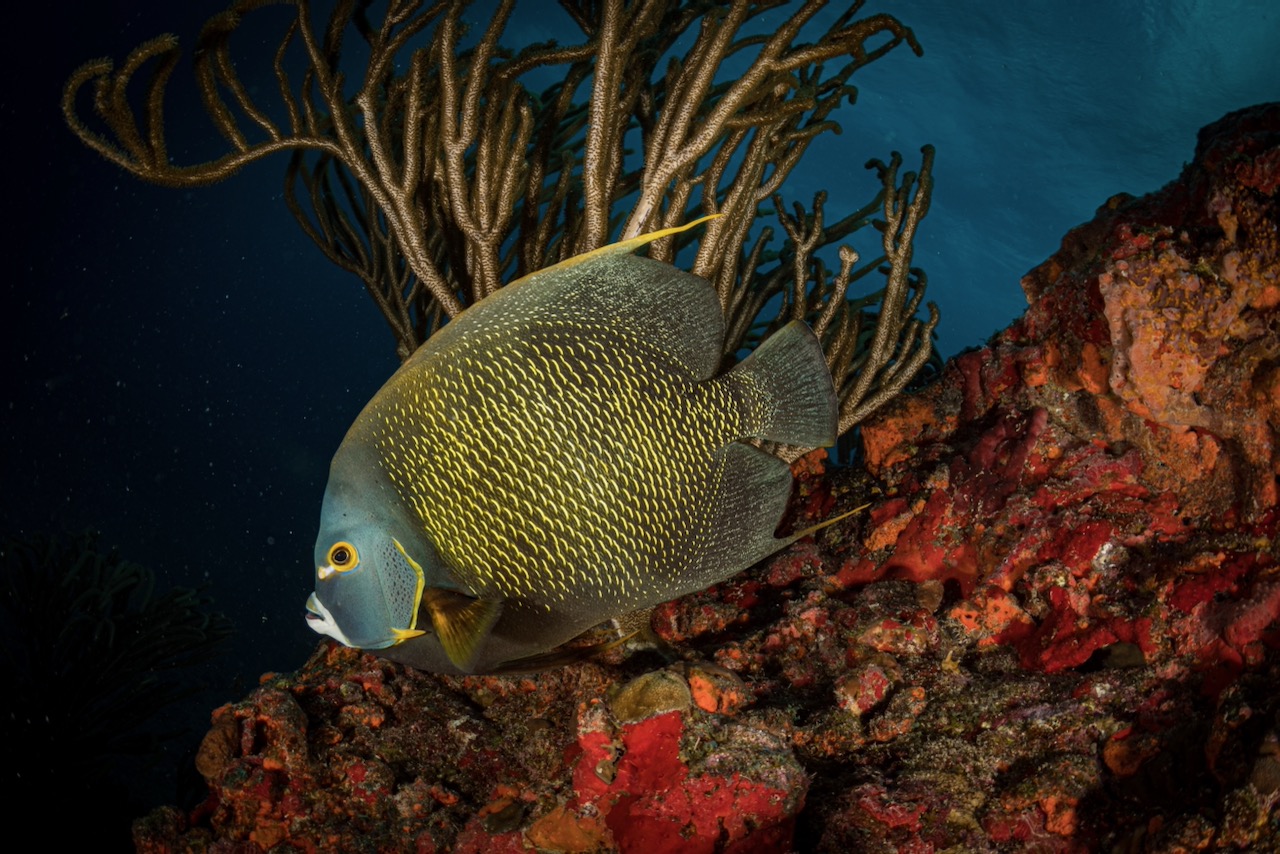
column 786, row 390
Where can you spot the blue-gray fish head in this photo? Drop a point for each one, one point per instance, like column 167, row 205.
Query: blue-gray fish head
column 367, row 587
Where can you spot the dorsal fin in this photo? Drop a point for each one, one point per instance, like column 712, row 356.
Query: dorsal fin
column 622, row 247
column 640, row 301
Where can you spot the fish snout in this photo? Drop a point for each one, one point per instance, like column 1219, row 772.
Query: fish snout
column 322, row 622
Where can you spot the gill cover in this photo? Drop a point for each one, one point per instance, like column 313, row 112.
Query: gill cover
column 368, row 598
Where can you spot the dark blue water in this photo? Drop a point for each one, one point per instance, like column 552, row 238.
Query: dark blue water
column 179, row 365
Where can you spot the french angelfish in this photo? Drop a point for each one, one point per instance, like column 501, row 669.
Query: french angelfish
column 561, row 453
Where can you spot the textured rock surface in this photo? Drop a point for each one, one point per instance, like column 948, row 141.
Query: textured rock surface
column 1055, row 629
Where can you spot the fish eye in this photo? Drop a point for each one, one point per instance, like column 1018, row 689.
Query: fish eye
column 343, row 556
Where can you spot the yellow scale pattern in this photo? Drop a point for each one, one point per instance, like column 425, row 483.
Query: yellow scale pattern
column 563, row 463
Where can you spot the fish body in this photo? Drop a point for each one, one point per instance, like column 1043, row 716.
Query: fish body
column 563, row 452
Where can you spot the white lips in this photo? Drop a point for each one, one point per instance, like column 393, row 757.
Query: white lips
column 322, row 622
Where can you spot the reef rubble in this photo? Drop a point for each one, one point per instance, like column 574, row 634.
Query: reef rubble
column 1056, row 628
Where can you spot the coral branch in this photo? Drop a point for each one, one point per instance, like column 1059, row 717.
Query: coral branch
column 444, row 176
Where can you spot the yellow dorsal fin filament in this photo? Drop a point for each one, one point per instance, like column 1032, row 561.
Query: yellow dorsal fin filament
column 645, row 239
column 623, row 247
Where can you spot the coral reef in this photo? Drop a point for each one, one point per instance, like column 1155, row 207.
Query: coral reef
column 1054, row 629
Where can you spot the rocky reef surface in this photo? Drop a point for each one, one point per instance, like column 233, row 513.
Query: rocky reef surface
column 1056, row 628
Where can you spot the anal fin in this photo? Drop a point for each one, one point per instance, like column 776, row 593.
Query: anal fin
column 560, row 656
column 825, row 523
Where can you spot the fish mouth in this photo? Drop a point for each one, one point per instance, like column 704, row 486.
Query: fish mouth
column 316, row 612
column 322, row 622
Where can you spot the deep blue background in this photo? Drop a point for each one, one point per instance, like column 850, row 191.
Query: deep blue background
column 180, row 365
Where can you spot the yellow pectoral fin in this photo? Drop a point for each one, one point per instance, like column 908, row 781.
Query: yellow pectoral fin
column 402, row 635
column 461, row 622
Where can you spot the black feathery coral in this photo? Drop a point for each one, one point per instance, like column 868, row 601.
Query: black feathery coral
column 90, row 656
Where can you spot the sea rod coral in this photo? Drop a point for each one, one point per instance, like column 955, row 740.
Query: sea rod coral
column 433, row 173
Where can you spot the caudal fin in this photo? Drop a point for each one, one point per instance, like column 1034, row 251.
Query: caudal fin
column 786, row 390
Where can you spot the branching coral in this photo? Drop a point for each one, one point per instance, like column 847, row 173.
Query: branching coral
column 436, row 174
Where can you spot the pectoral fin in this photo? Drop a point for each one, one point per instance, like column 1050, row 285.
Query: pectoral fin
column 461, row 623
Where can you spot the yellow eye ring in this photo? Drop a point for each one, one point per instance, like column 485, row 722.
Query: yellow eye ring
column 343, row 557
